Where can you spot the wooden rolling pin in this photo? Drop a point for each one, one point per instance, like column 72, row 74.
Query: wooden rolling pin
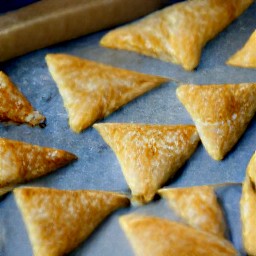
column 52, row 21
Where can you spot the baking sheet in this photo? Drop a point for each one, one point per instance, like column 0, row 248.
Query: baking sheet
column 97, row 167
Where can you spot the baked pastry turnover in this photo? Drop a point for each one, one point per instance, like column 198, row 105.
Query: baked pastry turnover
column 21, row 162
column 15, row 107
column 246, row 57
column 59, row 220
column 177, row 33
column 248, row 208
column 221, row 113
column 198, row 206
column 149, row 154
column 153, row 236
column 91, row 90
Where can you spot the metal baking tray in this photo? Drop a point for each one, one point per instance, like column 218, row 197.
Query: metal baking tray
column 97, row 167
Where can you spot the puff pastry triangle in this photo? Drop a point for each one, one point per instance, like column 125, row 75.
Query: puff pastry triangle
column 221, row 113
column 246, row 57
column 153, row 236
column 149, row 154
column 198, row 206
column 177, row 33
column 14, row 106
column 21, row 162
column 91, row 90
column 248, row 208
column 59, row 220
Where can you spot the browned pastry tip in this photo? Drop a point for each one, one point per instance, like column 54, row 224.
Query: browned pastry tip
column 21, row 162
column 14, row 105
column 245, row 57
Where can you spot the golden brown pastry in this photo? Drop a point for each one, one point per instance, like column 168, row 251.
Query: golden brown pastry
column 151, row 236
column 59, row 220
column 14, row 106
column 91, row 90
column 21, row 162
column 221, row 113
column 149, row 154
column 198, row 206
column 245, row 57
column 177, row 33
column 248, row 208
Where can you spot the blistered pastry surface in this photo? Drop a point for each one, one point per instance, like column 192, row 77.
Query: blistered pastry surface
column 149, row 154
column 21, row 162
column 57, row 220
column 159, row 237
column 221, row 113
column 177, row 33
column 198, row 206
column 91, row 90
column 14, row 106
